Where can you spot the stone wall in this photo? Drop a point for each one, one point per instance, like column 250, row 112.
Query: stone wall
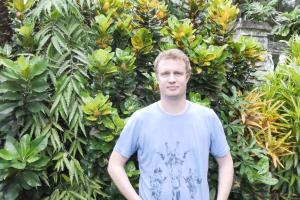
column 261, row 32
column 278, row 50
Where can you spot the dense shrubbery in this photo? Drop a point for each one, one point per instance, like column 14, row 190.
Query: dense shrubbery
column 285, row 23
column 75, row 70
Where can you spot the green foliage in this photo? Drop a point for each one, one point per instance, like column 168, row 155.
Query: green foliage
column 5, row 52
column 23, row 93
column 131, row 105
column 100, row 113
column 197, row 98
column 21, row 5
column 22, row 164
column 253, row 174
column 288, row 23
column 284, row 24
column 151, row 11
column 283, row 85
column 258, row 172
column 106, row 126
column 270, row 128
column 125, row 60
column 294, row 44
column 245, row 53
column 260, row 11
column 89, row 189
column 223, row 14
column 124, row 25
column 180, row 32
column 249, row 48
column 26, row 39
column 97, row 109
column 205, row 55
column 142, row 41
column 55, row 8
column 105, row 28
column 101, row 62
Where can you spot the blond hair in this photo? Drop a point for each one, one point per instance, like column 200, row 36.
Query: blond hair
column 174, row 54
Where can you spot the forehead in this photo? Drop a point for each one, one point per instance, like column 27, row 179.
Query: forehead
column 171, row 64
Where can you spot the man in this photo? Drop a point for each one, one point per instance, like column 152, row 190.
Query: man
column 173, row 138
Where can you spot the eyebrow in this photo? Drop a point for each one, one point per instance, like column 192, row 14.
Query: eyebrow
column 168, row 71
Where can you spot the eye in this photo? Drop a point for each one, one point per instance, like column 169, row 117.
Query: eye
column 178, row 74
column 165, row 74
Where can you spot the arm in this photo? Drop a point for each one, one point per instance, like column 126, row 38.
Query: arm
column 225, row 178
column 117, row 173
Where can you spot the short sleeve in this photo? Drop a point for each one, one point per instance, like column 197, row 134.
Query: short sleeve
column 127, row 143
column 218, row 143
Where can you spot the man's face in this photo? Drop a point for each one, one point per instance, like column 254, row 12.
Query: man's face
column 172, row 78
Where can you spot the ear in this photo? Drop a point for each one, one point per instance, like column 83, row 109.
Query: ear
column 156, row 78
column 188, row 76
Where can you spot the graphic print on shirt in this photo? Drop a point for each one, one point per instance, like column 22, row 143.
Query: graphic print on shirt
column 192, row 180
column 173, row 160
column 156, row 182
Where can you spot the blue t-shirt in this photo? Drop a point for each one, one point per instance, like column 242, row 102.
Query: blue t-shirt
column 173, row 150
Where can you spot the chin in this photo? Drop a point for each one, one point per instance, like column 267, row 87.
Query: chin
column 174, row 96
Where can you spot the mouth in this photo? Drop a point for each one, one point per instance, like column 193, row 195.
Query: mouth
column 172, row 87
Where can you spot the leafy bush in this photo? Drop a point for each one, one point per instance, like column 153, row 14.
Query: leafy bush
column 288, row 23
column 22, row 165
column 283, row 86
column 260, row 11
column 253, row 175
column 284, row 24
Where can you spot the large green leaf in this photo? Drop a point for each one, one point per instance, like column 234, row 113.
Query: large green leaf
column 42, row 162
column 131, row 169
column 108, row 138
column 11, row 145
column 263, row 165
column 56, row 45
column 38, row 144
column 12, row 191
column 107, row 122
column 35, row 107
column 105, row 148
column 22, row 5
column 39, row 84
column 26, row 31
column 31, row 179
column 23, row 67
column 8, row 75
column 104, row 22
column 12, row 86
column 8, row 63
column 6, row 155
column 38, row 66
column 268, row 180
column 102, row 57
column 32, row 159
column 24, row 145
column 18, row 165
column 6, row 108
column 11, row 96
column 4, row 164
column 142, row 40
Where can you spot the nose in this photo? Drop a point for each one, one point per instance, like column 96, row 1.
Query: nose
column 172, row 78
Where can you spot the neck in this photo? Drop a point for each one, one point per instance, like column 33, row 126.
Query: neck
column 173, row 106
